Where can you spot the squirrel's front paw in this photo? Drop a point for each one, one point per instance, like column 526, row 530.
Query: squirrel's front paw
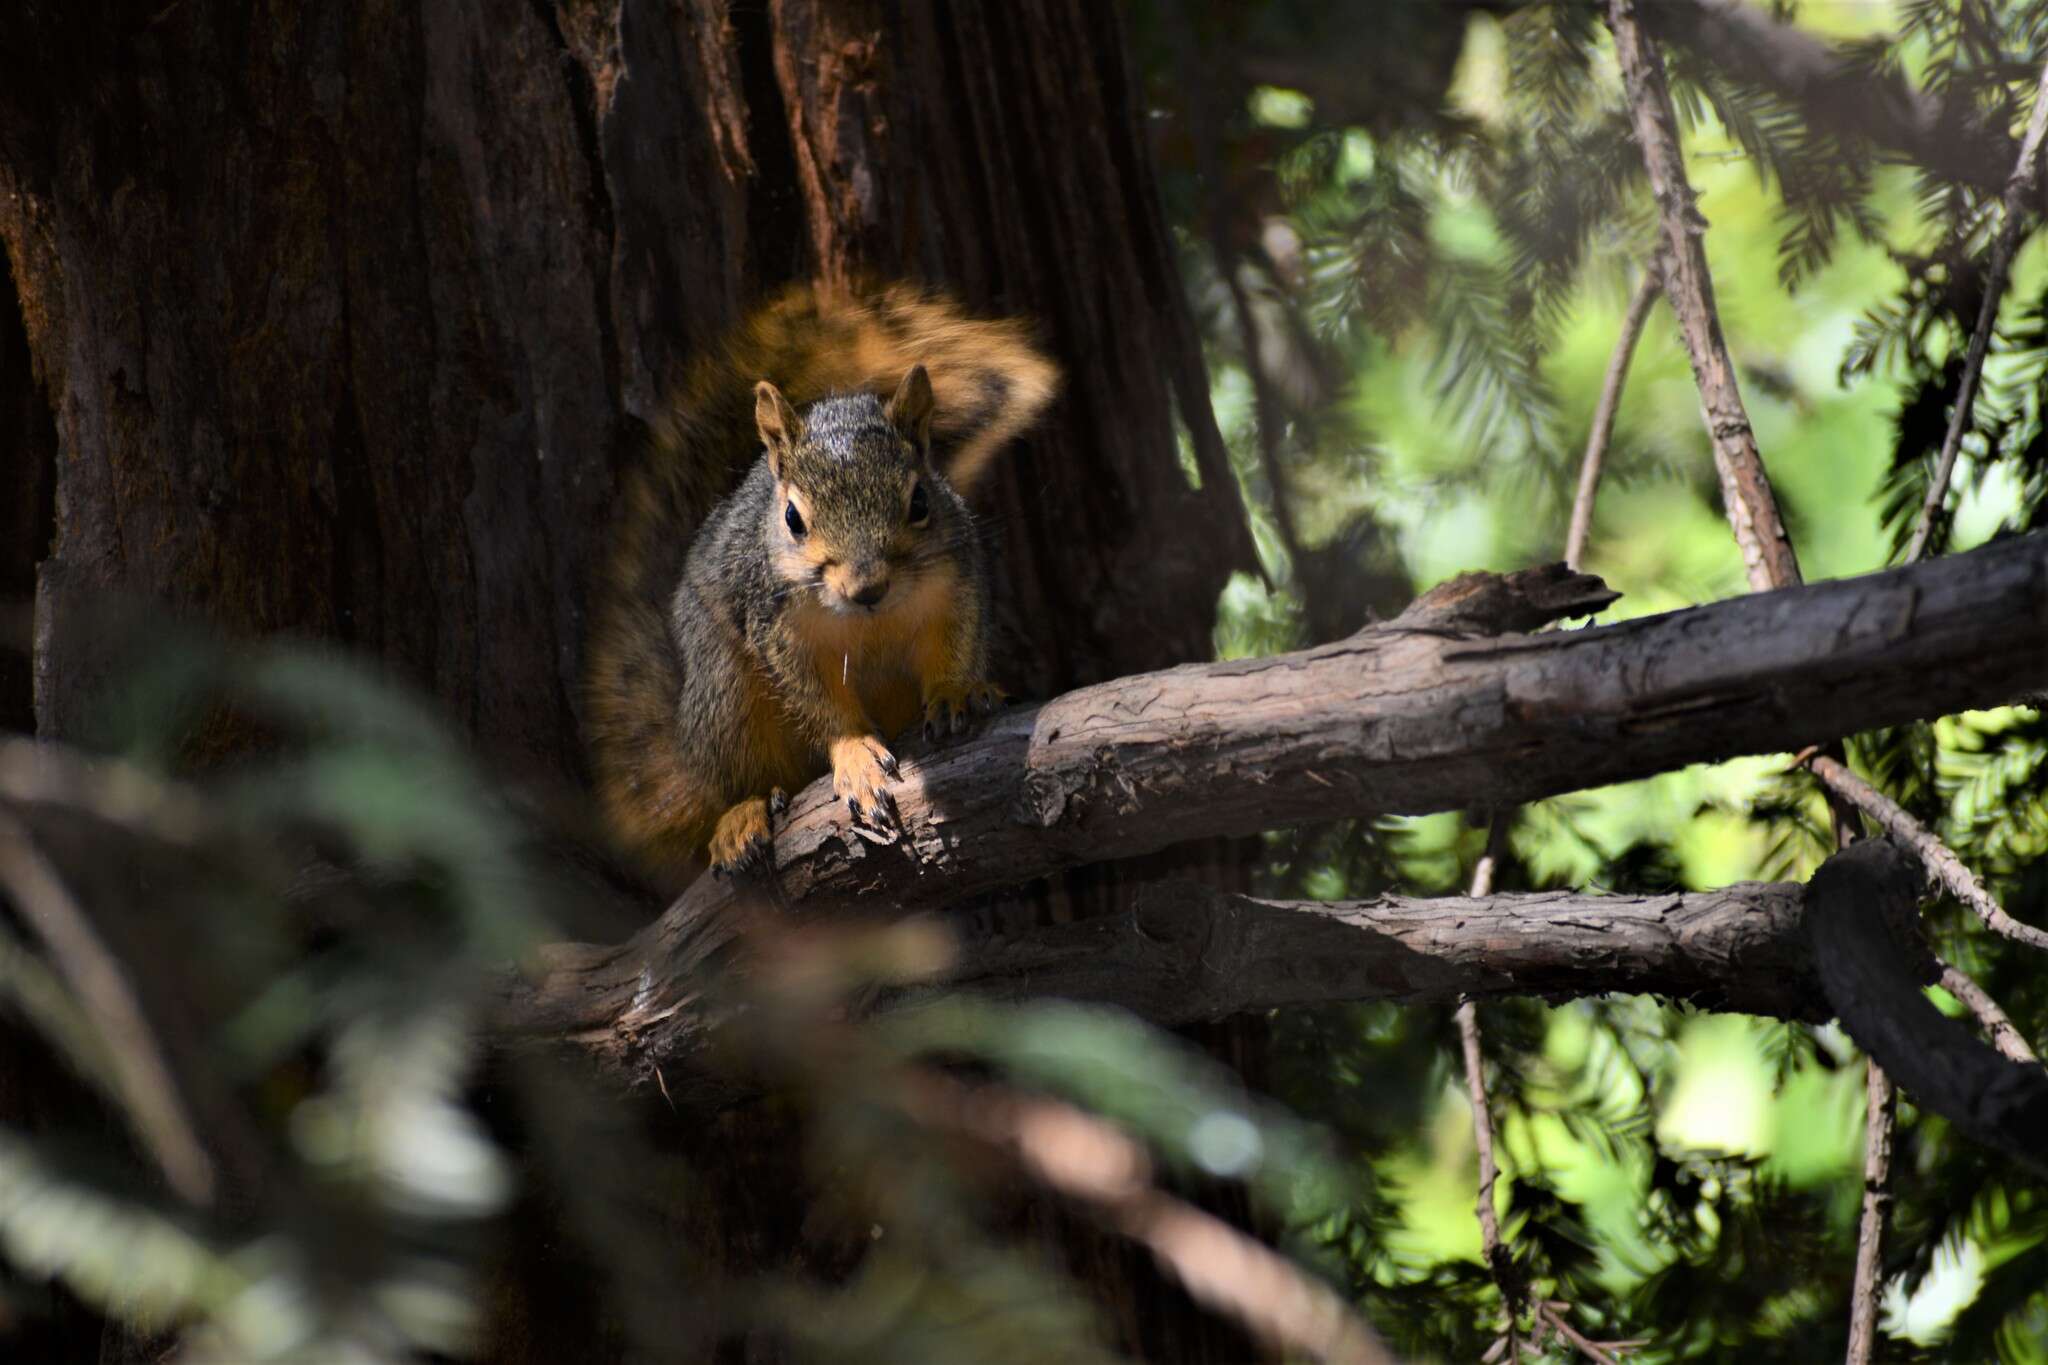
column 862, row 768
column 744, row 841
column 950, row 707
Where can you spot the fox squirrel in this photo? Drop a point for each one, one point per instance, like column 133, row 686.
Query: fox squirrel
column 748, row 641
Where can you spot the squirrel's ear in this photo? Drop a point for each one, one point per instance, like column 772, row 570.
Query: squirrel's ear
column 910, row 411
column 778, row 423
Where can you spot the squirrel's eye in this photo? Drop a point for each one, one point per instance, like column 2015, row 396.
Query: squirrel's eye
column 793, row 519
column 920, row 506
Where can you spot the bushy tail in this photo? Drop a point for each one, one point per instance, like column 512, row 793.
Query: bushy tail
column 989, row 382
column 632, row 673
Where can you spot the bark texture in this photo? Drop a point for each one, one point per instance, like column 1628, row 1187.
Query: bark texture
column 342, row 319
column 1185, row 951
column 1861, row 919
column 347, row 317
column 1846, row 943
column 1767, row 553
column 1407, row 717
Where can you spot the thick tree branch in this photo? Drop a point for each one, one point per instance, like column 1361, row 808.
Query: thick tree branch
column 1844, row 944
column 1860, row 918
column 1187, row 952
column 1397, row 718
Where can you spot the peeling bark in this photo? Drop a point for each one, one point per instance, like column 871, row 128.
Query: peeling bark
column 348, row 317
column 1399, row 718
column 1186, row 952
column 830, row 63
column 344, row 319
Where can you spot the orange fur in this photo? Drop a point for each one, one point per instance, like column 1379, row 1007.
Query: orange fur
column 989, row 382
column 739, row 829
column 869, row 659
column 676, row 777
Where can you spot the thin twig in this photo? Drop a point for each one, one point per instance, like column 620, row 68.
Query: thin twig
column 1880, row 1104
column 1482, row 1138
column 2018, row 187
column 1753, row 515
column 1498, row 1262
column 1995, row 1022
column 1752, row 508
column 1512, row 1291
column 153, row 1105
column 1601, row 1352
column 1941, row 862
column 1088, row 1159
column 1603, row 415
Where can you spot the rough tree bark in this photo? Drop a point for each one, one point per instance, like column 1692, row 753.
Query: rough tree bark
column 341, row 318
column 1186, row 951
column 337, row 321
column 1411, row 716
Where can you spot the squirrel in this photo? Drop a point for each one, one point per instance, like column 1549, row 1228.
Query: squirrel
column 769, row 617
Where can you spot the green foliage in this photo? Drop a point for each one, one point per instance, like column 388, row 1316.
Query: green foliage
column 348, row 1051
column 1444, row 250
column 1689, row 1180
column 341, row 914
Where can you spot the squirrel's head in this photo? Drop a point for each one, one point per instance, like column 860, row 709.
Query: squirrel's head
column 859, row 510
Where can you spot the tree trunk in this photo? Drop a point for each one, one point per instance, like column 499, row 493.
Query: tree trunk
column 340, row 320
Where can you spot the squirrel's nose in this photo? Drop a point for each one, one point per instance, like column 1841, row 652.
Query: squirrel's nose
column 871, row 592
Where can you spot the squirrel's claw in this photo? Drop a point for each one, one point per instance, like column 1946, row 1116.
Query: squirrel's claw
column 744, row 842
column 879, row 813
column 944, row 719
column 952, row 708
column 862, row 768
column 752, row 861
